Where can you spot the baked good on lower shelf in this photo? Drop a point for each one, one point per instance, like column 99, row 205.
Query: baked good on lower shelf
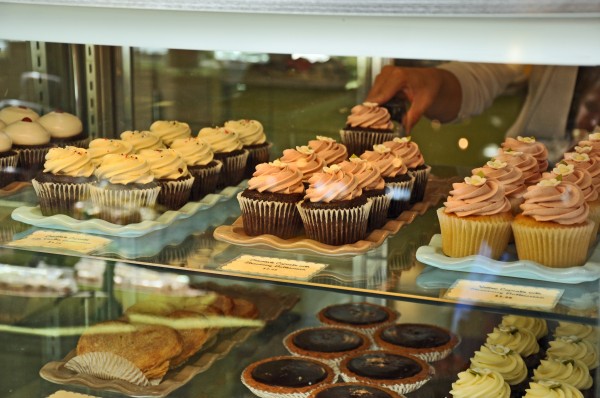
column 585, row 332
column 480, row 383
column 287, row 376
column 572, row 347
column 501, row 359
column 537, row 326
column 570, row 371
column 521, row 341
column 354, row 390
column 552, row 389
column 428, row 342
column 69, row 394
column 192, row 338
column 11, row 114
column 364, row 317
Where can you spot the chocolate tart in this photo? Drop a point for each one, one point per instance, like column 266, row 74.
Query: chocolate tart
column 402, row 373
column 353, row 390
column 329, row 344
column 287, row 377
column 364, row 317
column 428, row 342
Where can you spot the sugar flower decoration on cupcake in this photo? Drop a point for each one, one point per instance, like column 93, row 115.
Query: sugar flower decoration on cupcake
column 496, row 164
column 563, row 169
column 513, row 152
column 550, row 182
column 402, row 140
column 305, row 149
column 577, row 157
column 595, row 136
column 380, row 148
column 527, row 140
column 475, row 180
column 324, row 138
column 583, row 149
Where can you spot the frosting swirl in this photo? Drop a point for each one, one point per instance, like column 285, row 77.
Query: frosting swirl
column 508, row 363
column 141, row 140
column 61, row 124
column 370, row 115
column 536, row 326
column 69, row 161
column 331, row 151
column 220, row 139
column 124, row 169
column 304, row 159
column 169, row 130
column 250, row 132
column 551, row 389
column 579, row 177
column 332, row 185
column 480, row 383
column 585, row 332
column 165, row 164
column 511, row 178
column 555, row 201
column 12, row 114
column 572, row 347
column 570, row 371
column 582, row 161
column 5, row 142
column 389, row 164
column 195, row 152
column 523, row 342
column 530, row 146
column 477, row 196
column 368, row 175
column 408, row 150
column 101, row 147
column 276, row 177
column 524, row 162
column 27, row 132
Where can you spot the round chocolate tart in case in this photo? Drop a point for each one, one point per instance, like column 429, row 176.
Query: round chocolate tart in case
column 401, row 373
column 285, row 375
column 353, row 390
column 365, row 317
column 329, row 344
column 428, row 342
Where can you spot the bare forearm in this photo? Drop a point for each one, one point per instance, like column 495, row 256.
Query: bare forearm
column 446, row 104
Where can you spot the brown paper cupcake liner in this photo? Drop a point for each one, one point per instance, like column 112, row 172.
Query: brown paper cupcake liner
column 107, row 366
column 205, row 180
column 266, row 217
column 56, row 198
column 233, row 170
column 379, row 211
column 122, row 206
column 418, row 191
column 257, row 154
column 359, row 141
column 174, row 194
column 401, row 193
column 336, row 226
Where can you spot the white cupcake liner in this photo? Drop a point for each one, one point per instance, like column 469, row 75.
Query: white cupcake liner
column 359, row 141
column 268, row 217
column 233, row 169
column 108, row 366
column 125, row 203
column 400, row 388
column 418, row 191
column 379, row 210
column 205, row 180
column 31, row 160
column 57, row 198
column 400, row 193
column 9, row 161
column 174, row 194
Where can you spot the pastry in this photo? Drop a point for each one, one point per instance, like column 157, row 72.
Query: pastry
column 200, row 161
column 141, row 140
column 228, row 149
column 65, row 129
column 428, row 342
column 537, row 326
column 328, row 149
column 254, row 140
column 507, row 363
column 529, row 146
column 353, row 390
column 364, row 317
column 511, row 178
column 480, row 383
column 552, row 389
column 101, row 147
column 584, row 332
column 304, row 159
column 412, row 157
column 572, row 347
column 367, row 124
column 521, row 341
column 170, row 130
column 192, row 338
column 570, row 371
column 524, row 162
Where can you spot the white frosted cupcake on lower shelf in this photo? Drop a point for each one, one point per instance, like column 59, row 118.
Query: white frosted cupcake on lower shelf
column 480, row 383
column 552, row 389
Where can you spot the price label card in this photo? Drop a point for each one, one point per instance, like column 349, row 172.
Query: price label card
column 504, row 294
column 59, row 240
column 275, row 267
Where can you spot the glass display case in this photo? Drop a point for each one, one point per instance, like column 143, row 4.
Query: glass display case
column 298, row 69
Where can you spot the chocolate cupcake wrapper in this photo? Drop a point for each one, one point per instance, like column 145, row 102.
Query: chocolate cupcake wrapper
column 379, row 211
column 31, row 161
column 400, row 196
column 400, row 388
column 9, row 161
column 205, row 180
column 58, row 198
column 358, row 142
column 265, row 217
column 418, row 191
column 233, row 170
column 256, row 155
column 82, row 143
column 108, row 366
column 122, row 206
column 174, row 194
column 336, row 226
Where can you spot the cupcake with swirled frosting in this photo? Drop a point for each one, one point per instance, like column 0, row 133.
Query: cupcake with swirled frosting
column 101, row 147
column 585, row 332
column 552, row 389
column 573, row 347
column 253, row 138
column 31, row 141
column 510, row 177
column 63, row 186
column 65, row 129
column 304, row 159
column 410, row 153
column 11, row 114
column 367, row 124
column 334, row 210
column 570, row 371
column 529, row 146
column 582, row 161
column 141, row 140
column 475, row 219
column 170, row 130
column 521, row 341
column 506, row 362
column 329, row 150
column 228, row 149
column 593, row 142
column 554, row 229
column 524, row 162
column 172, row 176
column 269, row 204
column 8, row 160
column 124, row 188
column 480, row 383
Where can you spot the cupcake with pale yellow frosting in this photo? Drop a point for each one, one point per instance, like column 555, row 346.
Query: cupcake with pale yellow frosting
column 570, row 371
column 334, row 210
column 172, row 176
column 228, row 149
column 475, row 219
column 554, row 229
column 480, row 383
column 524, row 162
column 411, row 155
column 101, row 147
column 304, row 159
column 252, row 135
column 521, row 341
column 573, row 347
column 585, row 332
column 269, row 204
column 328, row 149
column 170, row 130
column 63, row 186
column 529, row 146
column 65, row 129
column 367, row 124
column 503, row 360
column 124, row 188
column 141, row 140
column 552, row 389
column 509, row 176
column 201, row 163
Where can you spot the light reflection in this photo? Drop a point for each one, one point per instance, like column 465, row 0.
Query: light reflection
column 463, row 143
column 491, row 150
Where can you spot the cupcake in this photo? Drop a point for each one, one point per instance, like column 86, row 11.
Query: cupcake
column 428, row 342
column 501, row 359
column 584, row 332
column 11, row 114
column 229, row 150
column 141, row 140
column 587, row 148
column 572, row 347
column 480, row 383
column 328, row 344
column 582, row 161
column 8, row 160
column 304, row 159
column 399, row 183
column 170, row 130
column 334, row 210
column 554, row 229
column 402, row 373
column 269, row 204
column 537, row 326
column 125, row 186
column 529, row 146
column 476, row 219
column 172, row 176
column 329, row 150
column 521, row 341
column 101, row 147
column 511, row 178
column 373, row 186
column 593, row 142
column 254, row 140
column 286, row 376
column 522, row 161
column 412, row 157
column 570, row 371
column 63, row 186
column 353, row 390
column 368, row 124
column 65, row 129
column 363, row 317
column 31, row 141
column 551, row 389
column 200, row 162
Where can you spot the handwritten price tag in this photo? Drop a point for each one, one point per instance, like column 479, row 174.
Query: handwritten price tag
column 275, row 267
column 81, row 243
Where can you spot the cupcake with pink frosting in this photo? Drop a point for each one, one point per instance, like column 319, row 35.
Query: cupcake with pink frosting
column 522, row 161
column 334, row 210
column 554, row 229
column 304, row 159
column 531, row 147
column 411, row 155
column 329, row 150
column 367, row 124
column 511, row 178
column 269, row 203
column 593, row 142
column 475, row 219
column 583, row 161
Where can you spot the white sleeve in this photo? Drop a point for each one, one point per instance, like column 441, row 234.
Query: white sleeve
column 481, row 83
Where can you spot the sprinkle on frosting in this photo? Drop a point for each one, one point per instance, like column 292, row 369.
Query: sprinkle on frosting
column 475, row 180
column 496, row 164
column 101, row 147
column 142, row 140
column 527, row 140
